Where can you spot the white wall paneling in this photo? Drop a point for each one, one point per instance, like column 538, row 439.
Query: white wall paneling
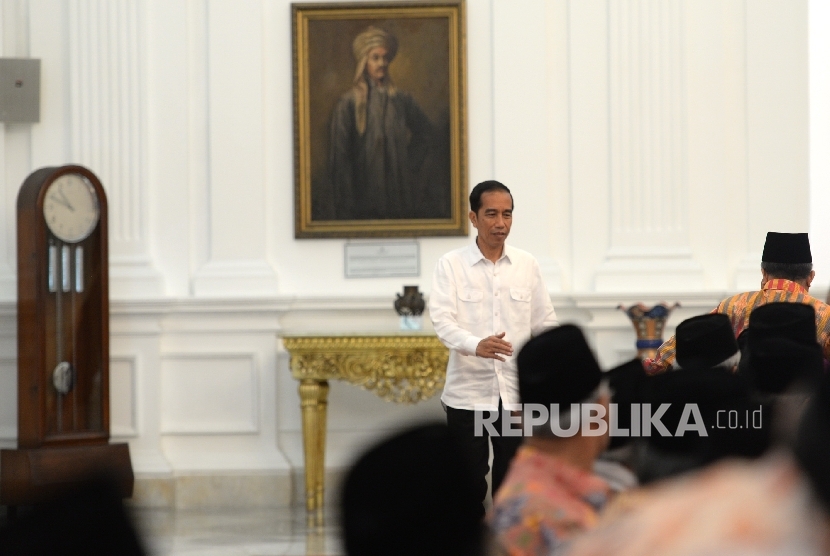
column 8, row 400
column 777, row 65
column 135, row 354
column 209, row 394
column 237, row 260
column 777, row 122
column 588, row 139
column 15, row 145
column 8, row 375
column 107, row 114
column 558, row 156
column 123, row 402
column 819, row 71
column 649, row 248
column 520, row 91
column 717, row 150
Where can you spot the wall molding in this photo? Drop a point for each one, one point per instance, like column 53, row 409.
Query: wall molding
column 130, row 430
column 647, row 146
column 107, row 114
column 172, row 363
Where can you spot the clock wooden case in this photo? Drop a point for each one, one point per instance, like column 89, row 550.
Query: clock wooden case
column 63, row 337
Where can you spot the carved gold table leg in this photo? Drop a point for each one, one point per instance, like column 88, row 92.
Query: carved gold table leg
column 322, row 414
column 313, row 403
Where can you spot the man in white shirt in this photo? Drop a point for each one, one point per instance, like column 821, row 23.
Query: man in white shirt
column 487, row 300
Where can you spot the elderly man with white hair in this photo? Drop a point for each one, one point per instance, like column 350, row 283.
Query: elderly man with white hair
column 380, row 138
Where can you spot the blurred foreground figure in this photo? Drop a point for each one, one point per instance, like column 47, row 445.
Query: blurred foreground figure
column 551, row 492
column 781, row 351
column 412, row 495
column 708, row 414
column 778, row 504
column 88, row 518
column 730, row 508
column 705, row 342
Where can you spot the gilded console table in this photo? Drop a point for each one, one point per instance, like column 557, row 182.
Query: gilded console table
column 401, row 368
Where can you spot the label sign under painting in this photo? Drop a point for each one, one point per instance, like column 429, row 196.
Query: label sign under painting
column 382, row 260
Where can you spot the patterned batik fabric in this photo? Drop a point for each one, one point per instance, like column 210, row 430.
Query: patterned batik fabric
column 543, row 502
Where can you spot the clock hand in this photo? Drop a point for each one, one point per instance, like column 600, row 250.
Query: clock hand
column 65, row 200
column 61, row 201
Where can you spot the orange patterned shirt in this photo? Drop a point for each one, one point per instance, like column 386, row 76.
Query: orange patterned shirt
column 739, row 307
column 543, row 502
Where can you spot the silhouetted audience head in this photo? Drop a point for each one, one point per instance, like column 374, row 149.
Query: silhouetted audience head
column 781, row 348
column 812, row 444
column 706, row 341
column 557, row 367
column 710, row 414
column 86, row 518
column 412, row 494
column 625, row 382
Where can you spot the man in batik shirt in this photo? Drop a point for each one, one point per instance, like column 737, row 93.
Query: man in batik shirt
column 786, row 275
column 550, row 492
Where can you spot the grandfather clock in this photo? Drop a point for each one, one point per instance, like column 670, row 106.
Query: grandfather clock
column 63, row 340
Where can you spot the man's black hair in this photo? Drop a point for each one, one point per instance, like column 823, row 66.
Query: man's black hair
column 787, row 271
column 484, row 187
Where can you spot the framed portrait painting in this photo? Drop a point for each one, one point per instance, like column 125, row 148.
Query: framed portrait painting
column 379, row 119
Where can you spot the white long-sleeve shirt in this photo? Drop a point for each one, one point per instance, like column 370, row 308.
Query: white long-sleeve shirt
column 473, row 298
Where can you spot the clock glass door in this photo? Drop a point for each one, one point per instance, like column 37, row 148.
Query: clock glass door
column 75, row 389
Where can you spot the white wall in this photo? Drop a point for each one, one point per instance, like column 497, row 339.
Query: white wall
column 649, row 146
column 820, row 139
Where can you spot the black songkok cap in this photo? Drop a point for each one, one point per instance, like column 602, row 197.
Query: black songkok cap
column 412, row 494
column 557, row 366
column 781, row 363
column 781, row 347
column 787, row 248
column 812, row 445
column 625, row 382
column 705, row 341
column 781, row 319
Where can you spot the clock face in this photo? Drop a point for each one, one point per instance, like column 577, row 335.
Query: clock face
column 70, row 208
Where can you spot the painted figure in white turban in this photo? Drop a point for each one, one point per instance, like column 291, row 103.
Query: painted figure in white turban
column 380, row 139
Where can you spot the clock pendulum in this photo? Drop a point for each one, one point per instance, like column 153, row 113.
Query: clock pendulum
column 63, row 339
column 71, row 212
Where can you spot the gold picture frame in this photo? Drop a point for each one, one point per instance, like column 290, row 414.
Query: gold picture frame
column 380, row 130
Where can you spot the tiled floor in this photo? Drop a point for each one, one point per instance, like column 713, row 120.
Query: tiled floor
column 258, row 532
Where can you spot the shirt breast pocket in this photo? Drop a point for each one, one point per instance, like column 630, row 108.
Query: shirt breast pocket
column 520, row 305
column 469, row 306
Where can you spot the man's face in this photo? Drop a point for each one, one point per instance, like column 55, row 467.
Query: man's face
column 494, row 218
column 377, row 62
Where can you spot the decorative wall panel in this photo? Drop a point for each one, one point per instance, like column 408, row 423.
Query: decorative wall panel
column 122, row 397
column 646, row 119
column 106, row 130
column 647, row 129
column 209, row 394
column 106, row 109
column 8, row 399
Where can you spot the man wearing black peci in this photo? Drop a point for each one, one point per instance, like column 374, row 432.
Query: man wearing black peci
column 786, row 275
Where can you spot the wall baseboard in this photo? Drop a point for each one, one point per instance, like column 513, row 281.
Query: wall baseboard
column 214, row 491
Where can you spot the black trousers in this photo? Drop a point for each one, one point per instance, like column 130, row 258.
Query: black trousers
column 477, row 448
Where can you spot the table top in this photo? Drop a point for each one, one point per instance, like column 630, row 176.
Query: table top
column 403, row 367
